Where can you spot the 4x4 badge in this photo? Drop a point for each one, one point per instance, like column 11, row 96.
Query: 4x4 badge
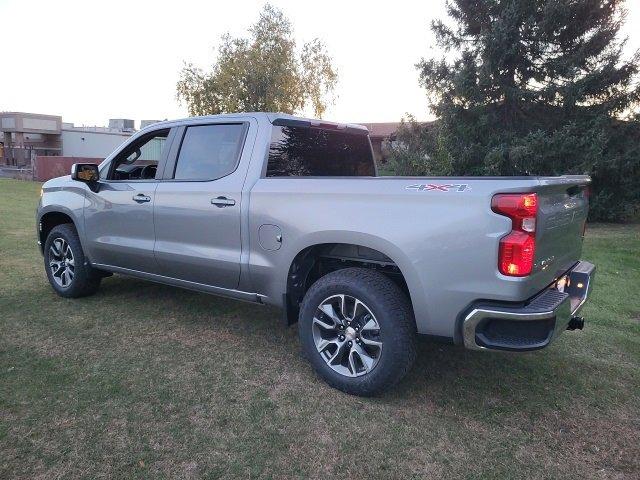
column 446, row 187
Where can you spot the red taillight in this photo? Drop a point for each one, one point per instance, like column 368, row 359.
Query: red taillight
column 517, row 249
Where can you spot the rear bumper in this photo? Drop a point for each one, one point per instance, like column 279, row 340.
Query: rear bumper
column 535, row 324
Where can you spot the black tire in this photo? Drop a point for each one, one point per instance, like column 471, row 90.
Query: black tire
column 390, row 307
column 85, row 279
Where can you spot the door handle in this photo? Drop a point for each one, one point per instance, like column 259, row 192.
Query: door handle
column 223, row 202
column 142, row 198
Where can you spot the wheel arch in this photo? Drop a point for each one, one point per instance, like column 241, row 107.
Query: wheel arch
column 51, row 218
column 343, row 251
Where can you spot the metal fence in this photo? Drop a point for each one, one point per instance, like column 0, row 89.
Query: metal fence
column 23, row 157
column 17, row 157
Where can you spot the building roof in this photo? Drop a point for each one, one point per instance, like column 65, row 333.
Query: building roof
column 388, row 129
column 384, row 129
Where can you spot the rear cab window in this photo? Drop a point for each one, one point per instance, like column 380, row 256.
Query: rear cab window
column 319, row 152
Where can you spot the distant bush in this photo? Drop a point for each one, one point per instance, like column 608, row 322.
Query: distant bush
column 607, row 150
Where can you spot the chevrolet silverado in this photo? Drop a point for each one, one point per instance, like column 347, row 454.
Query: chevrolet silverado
column 286, row 211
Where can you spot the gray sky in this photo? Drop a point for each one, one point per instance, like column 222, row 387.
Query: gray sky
column 90, row 61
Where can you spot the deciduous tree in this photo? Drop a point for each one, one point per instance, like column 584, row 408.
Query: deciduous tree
column 263, row 72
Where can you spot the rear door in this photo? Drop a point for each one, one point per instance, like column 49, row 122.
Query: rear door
column 197, row 206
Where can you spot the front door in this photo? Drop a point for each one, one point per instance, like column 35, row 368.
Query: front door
column 197, row 207
column 119, row 216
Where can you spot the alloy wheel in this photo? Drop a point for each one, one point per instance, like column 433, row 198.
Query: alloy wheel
column 61, row 262
column 347, row 335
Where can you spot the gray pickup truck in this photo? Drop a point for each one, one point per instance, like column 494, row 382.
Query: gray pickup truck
column 286, row 211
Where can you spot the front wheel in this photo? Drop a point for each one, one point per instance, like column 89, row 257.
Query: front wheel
column 357, row 329
column 67, row 270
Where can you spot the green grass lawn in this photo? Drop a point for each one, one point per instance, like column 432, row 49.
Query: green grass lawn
column 147, row 381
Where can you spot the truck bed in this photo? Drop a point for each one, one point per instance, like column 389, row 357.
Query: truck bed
column 440, row 231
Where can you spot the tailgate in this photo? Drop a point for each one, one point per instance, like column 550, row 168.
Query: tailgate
column 563, row 205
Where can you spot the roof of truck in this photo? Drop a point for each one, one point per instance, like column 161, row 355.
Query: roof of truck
column 277, row 117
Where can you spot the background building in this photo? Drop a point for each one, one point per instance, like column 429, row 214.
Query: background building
column 91, row 141
column 380, row 133
column 24, row 136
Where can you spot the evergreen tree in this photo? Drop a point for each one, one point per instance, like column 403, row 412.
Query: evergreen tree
column 539, row 87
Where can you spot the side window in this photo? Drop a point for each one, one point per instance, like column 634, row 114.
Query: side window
column 318, row 152
column 139, row 161
column 209, row 152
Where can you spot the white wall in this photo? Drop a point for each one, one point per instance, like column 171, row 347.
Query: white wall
column 76, row 143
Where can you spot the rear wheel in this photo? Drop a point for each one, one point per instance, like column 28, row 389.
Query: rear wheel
column 67, row 270
column 357, row 329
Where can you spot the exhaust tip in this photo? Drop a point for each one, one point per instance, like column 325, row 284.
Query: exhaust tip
column 576, row 323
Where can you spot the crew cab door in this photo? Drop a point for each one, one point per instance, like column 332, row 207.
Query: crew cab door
column 197, row 205
column 119, row 215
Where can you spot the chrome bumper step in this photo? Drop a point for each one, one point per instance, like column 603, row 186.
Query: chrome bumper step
column 534, row 325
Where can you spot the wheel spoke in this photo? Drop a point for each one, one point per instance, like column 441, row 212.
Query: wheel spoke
column 352, row 363
column 57, row 247
column 330, row 312
column 370, row 326
column 367, row 360
column 55, row 251
column 356, row 306
column 324, row 343
column 371, row 343
column 322, row 324
column 343, row 308
column 338, row 354
column 59, row 269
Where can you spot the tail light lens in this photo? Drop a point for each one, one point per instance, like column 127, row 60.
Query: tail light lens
column 517, row 249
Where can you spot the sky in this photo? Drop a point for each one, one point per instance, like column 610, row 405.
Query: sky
column 91, row 60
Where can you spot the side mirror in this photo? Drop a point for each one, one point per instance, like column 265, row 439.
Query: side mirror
column 85, row 172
